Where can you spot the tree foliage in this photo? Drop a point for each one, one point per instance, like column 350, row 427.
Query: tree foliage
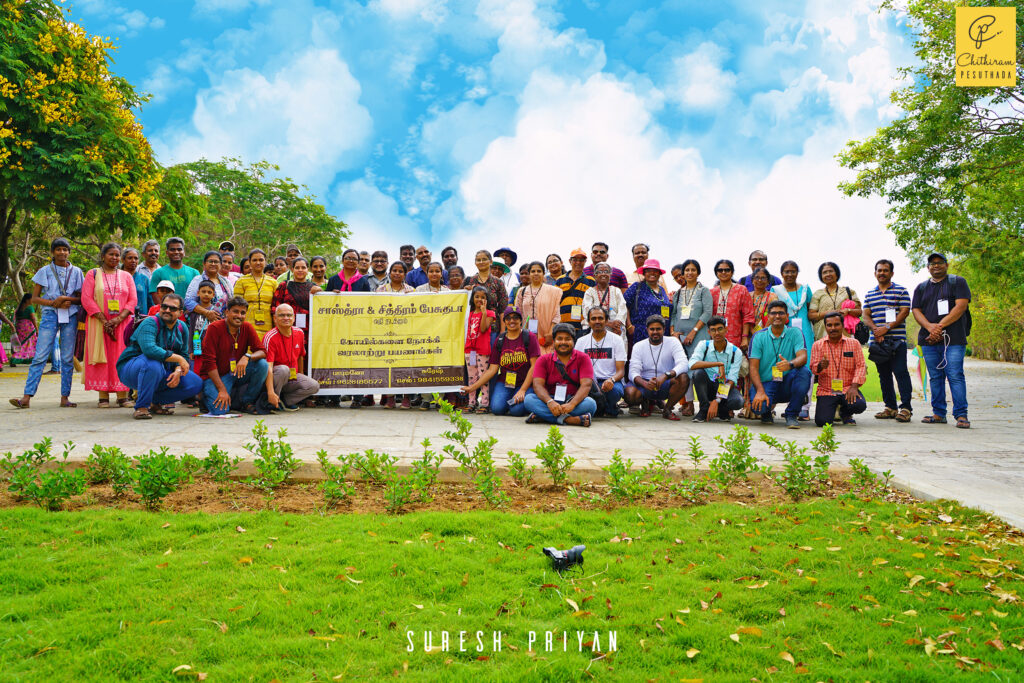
column 950, row 166
column 70, row 144
column 254, row 207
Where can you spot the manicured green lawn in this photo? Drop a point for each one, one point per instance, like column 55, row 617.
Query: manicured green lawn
column 841, row 589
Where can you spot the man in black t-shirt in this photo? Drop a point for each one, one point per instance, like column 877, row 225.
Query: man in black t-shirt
column 940, row 306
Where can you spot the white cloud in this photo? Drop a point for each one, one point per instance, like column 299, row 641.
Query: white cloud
column 306, row 117
column 698, row 81
column 431, row 11
column 162, row 81
column 373, row 217
column 226, row 6
column 123, row 22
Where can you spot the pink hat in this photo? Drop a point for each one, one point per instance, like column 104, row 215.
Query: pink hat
column 651, row 263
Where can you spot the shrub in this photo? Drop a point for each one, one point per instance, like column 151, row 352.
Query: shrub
column 798, row 476
column 218, row 465
column 551, row 454
column 866, row 482
column 658, row 471
column 272, row 458
column 521, row 474
column 478, row 461
column 156, row 475
column 734, row 461
column 335, row 486
column 623, row 482
column 695, row 452
column 373, row 466
column 694, row 489
column 425, row 471
column 49, row 489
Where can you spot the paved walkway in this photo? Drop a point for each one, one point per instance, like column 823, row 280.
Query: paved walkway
column 982, row 468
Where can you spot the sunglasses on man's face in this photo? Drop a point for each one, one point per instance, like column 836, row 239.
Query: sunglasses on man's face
column 167, row 307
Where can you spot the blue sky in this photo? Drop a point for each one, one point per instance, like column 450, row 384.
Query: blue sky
column 706, row 129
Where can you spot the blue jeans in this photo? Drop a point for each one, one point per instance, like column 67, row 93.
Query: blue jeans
column 243, row 392
column 500, row 396
column 541, row 410
column 952, row 370
column 49, row 333
column 149, row 378
column 793, row 388
column 896, row 367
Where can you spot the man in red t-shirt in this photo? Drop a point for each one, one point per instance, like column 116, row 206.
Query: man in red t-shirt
column 561, row 383
column 233, row 363
column 286, row 386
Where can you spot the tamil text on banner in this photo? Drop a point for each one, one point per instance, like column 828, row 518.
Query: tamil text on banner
column 361, row 343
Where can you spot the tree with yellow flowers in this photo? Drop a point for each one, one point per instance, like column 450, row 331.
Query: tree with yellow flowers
column 70, row 144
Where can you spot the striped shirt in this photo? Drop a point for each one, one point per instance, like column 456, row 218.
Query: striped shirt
column 572, row 295
column 895, row 297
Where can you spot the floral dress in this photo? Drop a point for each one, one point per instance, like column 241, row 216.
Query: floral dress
column 644, row 302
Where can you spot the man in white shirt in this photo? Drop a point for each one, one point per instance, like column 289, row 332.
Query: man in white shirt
column 657, row 371
column 608, row 354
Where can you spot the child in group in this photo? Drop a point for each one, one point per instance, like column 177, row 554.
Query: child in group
column 163, row 288
column 478, row 347
column 197, row 324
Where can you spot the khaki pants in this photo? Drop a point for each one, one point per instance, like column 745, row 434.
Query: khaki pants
column 293, row 391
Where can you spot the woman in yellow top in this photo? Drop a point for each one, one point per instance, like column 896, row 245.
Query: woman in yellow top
column 258, row 288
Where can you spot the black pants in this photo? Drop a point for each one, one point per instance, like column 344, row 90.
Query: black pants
column 706, row 391
column 896, row 366
column 825, row 408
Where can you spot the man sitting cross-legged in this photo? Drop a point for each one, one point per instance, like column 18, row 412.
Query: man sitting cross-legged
column 233, row 365
column 286, row 386
column 657, row 371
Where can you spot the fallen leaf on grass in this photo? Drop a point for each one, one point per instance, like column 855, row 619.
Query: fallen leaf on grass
column 282, row 588
column 166, row 525
column 222, row 626
column 235, row 609
column 692, row 652
column 788, row 657
column 755, row 586
column 162, row 565
column 734, row 637
column 465, row 578
column 832, row 650
column 945, row 518
column 911, row 612
column 996, row 643
column 239, row 529
column 245, row 560
column 879, row 561
column 572, row 603
column 750, row 631
column 834, row 548
column 917, row 578
column 417, row 606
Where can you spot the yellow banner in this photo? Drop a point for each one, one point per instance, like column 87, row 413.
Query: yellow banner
column 986, row 46
column 365, row 343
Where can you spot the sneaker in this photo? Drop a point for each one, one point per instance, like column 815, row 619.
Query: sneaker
column 725, row 416
column 405, row 403
column 388, row 402
column 849, row 421
column 289, row 409
column 425, row 405
column 767, row 419
column 416, row 400
column 356, row 404
column 368, row 400
column 701, row 416
column 792, row 423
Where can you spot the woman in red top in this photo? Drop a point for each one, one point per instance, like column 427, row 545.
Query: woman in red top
column 296, row 293
column 478, row 347
column 733, row 303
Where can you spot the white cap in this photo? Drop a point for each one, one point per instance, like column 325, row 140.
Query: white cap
column 166, row 284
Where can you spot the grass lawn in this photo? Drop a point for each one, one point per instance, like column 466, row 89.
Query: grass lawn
column 842, row 589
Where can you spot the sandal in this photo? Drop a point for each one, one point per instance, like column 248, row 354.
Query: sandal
column 687, row 410
column 141, row 414
column 886, row 414
column 669, row 415
column 66, row 404
column 16, row 402
column 160, row 410
column 903, row 415
column 532, row 419
column 933, row 420
column 124, row 402
column 103, row 403
column 963, row 423
column 645, row 409
column 585, row 420
column 480, row 410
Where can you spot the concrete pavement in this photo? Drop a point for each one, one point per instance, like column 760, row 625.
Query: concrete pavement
column 982, row 467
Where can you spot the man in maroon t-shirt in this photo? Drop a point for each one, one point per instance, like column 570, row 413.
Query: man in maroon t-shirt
column 561, row 383
column 233, row 363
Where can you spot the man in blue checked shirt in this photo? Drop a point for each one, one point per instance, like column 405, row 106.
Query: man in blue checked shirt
column 714, row 371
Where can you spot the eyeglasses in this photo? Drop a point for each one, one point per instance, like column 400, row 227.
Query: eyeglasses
column 723, row 270
column 600, row 251
column 778, row 312
column 168, row 307
column 936, row 263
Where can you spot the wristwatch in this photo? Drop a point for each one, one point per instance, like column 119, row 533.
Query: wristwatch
column 670, row 374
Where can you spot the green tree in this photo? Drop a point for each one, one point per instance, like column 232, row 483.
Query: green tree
column 70, row 145
column 254, row 207
column 949, row 166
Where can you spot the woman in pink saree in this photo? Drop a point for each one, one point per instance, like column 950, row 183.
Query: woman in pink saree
column 109, row 299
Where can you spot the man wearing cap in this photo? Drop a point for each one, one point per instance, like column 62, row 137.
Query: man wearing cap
column 599, row 254
column 607, row 354
column 509, row 279
column 574, row 285
column 418, row 276
column 176, row 271
column 657, row 371
column 940, row 307
column 227, row 248
column 561, row 383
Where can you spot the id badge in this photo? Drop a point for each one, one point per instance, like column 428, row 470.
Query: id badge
column 576, row 312
column 890, row 315
column 510, row 379
column 684, row 312
column 293, row 373
column 532, row 326
column 114, row 306
column 798, row 323
column 560, row 391
column 837, row 384
column 943, row 306
column 63, row 315
column 723, row 390
column 776, row 374
column 300, row 320
column 664, row 311
column 472, row 357
column 259, row 322
column 233, row 365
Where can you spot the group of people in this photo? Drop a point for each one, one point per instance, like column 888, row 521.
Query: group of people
column 548, row 343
